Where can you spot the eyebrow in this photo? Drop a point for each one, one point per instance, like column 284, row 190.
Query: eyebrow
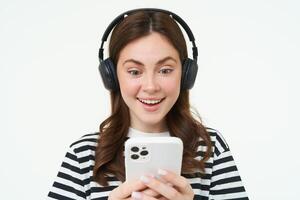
column 158, row 62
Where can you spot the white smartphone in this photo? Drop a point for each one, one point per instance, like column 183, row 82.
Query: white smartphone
column 145, row 155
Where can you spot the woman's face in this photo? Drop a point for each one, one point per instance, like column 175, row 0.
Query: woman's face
column 149, row 74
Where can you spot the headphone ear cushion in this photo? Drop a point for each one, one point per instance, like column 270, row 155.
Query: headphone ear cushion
column 108, row 74
column 189, row 73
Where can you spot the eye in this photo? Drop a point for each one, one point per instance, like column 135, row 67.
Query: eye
column 133, row 72
column 166, row 71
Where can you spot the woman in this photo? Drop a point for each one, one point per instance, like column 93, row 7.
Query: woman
column 149, row 97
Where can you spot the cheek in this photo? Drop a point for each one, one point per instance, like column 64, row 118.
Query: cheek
column 172, row 86
column 129, row 88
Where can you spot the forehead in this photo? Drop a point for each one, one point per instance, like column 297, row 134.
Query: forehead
column 150, row 48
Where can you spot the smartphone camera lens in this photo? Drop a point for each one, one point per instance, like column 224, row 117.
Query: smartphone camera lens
column 134, row 156
column 144, row 153
column 134, row 149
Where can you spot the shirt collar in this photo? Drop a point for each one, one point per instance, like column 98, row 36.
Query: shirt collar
column 137, row 133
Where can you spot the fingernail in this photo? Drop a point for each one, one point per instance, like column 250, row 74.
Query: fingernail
column 144, row 179
column 162, row 172
column 136, row 195
column 152, row 176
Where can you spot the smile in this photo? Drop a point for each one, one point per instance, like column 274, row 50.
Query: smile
column 150, row 102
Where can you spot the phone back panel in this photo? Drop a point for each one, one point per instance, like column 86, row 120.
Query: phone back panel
column 145, row 155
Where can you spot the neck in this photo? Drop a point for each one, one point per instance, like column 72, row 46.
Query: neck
column 150, row 128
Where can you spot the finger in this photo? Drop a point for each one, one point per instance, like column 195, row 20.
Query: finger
column 125, row 189
column 162, row 188
column 141, row 196
column 163, row 198
column 178, row 181
column 151, row 192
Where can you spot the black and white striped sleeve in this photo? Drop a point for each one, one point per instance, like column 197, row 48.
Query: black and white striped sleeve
column 226, row 182
column 69, row 183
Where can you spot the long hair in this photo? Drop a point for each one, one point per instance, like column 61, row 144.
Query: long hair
column 113, row 131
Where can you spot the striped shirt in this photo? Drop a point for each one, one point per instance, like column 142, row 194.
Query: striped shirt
column 74, row 179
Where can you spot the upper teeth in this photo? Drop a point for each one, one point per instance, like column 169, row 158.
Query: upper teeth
column 150, row 101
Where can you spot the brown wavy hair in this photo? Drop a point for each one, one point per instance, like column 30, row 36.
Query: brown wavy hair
column 109, row 159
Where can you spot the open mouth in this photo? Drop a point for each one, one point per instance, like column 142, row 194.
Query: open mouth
column 150, row 102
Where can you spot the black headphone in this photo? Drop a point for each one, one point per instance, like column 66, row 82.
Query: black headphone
column 107, row 68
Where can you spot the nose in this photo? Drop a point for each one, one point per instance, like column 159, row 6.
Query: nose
column 150, row 84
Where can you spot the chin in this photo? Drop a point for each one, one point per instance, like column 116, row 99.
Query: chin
column 152, row 121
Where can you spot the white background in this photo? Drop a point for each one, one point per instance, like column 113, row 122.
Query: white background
column 52, row 94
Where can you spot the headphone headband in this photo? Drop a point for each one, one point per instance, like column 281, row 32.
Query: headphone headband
column 119, row 18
